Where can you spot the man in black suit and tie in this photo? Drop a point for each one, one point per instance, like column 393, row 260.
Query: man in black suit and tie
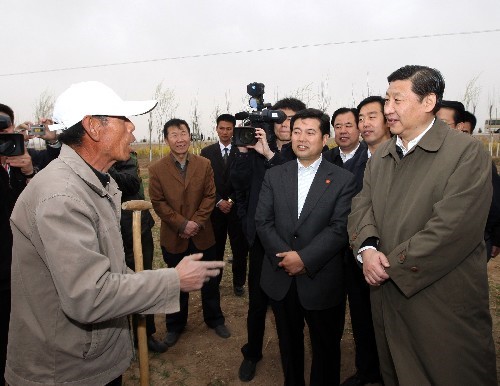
column 224, row 217
column 304, row 237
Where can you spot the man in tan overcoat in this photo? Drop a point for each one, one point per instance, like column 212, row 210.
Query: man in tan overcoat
column 417, row 226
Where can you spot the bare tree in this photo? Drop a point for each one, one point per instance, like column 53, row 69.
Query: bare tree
column 227, row 96
column 165, row 110
column 471, row 94
column 215, row 114
column 303, row 93
column 324, row 98
column 44, row 106
column 196, row 135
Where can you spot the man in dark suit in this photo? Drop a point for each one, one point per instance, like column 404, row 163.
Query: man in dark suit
column 224, row 217
column 349, row 153
column 304, row 237
column 373, row 127
column 182, row 191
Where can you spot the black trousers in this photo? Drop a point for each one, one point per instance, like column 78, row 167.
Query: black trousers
column 229, row 224
column 210, row 295
column 325, row 330
column 358, row 293
column 257, row 305
column 147, row 255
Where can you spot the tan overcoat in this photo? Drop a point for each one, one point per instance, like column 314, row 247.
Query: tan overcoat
column 429, row 210
column 176, row 199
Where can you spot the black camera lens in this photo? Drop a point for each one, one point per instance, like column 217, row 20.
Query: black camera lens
column 247, row 136
column 244, row 136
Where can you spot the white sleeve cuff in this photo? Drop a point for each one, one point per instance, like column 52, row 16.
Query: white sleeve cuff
column 359, row 257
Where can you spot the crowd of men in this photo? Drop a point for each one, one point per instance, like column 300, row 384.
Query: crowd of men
column 401, row 224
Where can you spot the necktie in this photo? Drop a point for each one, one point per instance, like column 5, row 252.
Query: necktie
column 225, row 156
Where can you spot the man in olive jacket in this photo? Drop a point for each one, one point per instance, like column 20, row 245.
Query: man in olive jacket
column 417, row 226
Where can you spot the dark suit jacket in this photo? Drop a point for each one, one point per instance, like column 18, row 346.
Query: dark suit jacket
column 319, row 236
column 176, row 199
column 356, row 165
column 223, row 187
column 247, row 174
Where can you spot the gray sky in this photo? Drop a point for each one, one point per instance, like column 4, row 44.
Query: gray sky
column 50, row 34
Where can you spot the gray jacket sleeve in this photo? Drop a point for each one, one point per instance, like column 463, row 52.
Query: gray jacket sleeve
column 89, row 275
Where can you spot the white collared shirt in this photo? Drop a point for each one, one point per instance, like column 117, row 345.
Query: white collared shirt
column 305, row 176
column 414, row 141
column 347, row 156
column 222, row 147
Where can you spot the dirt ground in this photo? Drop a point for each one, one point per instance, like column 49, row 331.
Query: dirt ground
column 200, row 357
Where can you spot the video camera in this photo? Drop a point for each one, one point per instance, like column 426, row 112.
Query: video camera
column 10, row 144
column 261, row 116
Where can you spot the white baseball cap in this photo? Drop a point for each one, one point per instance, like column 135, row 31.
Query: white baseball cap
column 93, row 98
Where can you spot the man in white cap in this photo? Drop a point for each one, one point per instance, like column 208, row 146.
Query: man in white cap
column 71, row 290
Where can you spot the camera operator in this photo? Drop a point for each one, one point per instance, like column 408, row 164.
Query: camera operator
column 41, row 158
column 15, row 173
column 247, row 174
column 32, row 160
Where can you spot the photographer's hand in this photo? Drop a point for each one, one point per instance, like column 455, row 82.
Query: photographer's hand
column 50, row 136
column 262, row 147
column 22, row 162
column 23, row 129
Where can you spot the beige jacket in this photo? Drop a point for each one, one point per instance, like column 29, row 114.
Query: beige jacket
column 70, row 288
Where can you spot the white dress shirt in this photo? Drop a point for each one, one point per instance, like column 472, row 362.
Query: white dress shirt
column 305, row 176
column 414, row 141
column 347, row 156
column 222, row 147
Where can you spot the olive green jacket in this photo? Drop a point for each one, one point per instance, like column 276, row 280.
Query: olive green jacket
column 428, row 210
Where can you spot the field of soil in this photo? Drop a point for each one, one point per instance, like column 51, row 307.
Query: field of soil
column 200, row 357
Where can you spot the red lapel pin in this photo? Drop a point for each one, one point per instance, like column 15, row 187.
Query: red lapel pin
column 327, row 181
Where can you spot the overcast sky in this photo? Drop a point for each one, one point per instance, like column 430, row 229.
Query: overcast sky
column 50, row 34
